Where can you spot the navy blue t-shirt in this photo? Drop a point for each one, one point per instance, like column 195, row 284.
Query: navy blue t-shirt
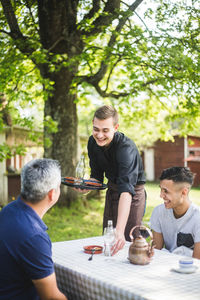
column 25, row 251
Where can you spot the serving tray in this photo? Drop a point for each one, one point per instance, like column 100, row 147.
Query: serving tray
column 86, row 185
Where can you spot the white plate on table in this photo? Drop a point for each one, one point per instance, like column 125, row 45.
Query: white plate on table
column 185, row 270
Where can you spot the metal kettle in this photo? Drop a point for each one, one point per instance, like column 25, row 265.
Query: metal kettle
column 140, row 251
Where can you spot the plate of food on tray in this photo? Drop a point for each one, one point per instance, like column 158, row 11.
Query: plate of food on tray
column 81, row 183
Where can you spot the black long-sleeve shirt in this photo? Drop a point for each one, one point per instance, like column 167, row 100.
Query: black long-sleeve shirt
column 120, row 162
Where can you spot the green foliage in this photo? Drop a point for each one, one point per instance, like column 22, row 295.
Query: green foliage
column 144, row 62
column 7, row 151
column 158, row 68
column 20, row 83
column 50, row 124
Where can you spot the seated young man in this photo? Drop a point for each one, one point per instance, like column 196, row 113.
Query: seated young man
column 176, row 223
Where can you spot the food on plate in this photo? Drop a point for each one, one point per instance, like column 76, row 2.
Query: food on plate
column 69, row 179
column 97, row 249
column 93, row 182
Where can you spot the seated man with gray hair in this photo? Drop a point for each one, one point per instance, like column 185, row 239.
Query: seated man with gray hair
column 27, row 269
column 176, row 223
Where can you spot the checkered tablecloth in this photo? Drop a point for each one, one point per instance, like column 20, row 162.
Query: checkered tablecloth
column 116, row 278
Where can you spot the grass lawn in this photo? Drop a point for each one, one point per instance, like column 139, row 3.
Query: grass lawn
column 84, row 218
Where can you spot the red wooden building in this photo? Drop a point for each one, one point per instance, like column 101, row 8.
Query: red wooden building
column 181, row 152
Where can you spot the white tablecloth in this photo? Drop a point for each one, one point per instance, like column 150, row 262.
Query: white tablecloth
column 116, row 278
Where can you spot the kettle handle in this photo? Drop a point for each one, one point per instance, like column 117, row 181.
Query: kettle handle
column 140, row 227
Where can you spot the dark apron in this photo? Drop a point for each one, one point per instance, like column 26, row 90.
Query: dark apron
column 136, row 210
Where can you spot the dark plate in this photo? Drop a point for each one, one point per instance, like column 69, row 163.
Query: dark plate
column 83, row 186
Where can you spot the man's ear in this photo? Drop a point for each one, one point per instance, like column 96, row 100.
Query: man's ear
column 116, row 127
column 51, row 195
column 185, row 191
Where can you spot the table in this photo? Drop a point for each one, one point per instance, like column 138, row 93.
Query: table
column 116, row 278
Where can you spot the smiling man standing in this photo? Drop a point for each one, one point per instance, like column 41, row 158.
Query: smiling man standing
column 176, row 223
column 115, row 155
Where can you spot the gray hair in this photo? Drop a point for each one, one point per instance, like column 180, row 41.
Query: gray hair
column 38, row 177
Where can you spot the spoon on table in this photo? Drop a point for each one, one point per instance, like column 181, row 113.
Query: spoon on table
column 93, row 251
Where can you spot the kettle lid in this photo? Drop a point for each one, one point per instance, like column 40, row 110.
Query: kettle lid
column 140, row 242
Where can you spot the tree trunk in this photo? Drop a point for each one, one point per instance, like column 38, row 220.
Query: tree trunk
column 58, row 34
column 62, row 109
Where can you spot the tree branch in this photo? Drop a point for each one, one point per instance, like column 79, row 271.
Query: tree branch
column 138, row 16
column 16, row 86
column 113, row 94
column 32, row 18
column 20, row 40
column 96, row 78
column 6, row 32
column 11, row 18
column 142, row 21
column 105, row 18
column 55, row 43
column 110, row 73
column 94, row 9
column 123, row 20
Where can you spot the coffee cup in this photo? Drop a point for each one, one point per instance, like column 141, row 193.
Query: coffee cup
column 186, row 263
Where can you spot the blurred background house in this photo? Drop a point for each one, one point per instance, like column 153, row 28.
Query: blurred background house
column 181, row 152
column 10, row 168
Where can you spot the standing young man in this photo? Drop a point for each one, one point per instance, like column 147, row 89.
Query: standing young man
column 26, row 266
column 176, row 223
column 115, row 155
